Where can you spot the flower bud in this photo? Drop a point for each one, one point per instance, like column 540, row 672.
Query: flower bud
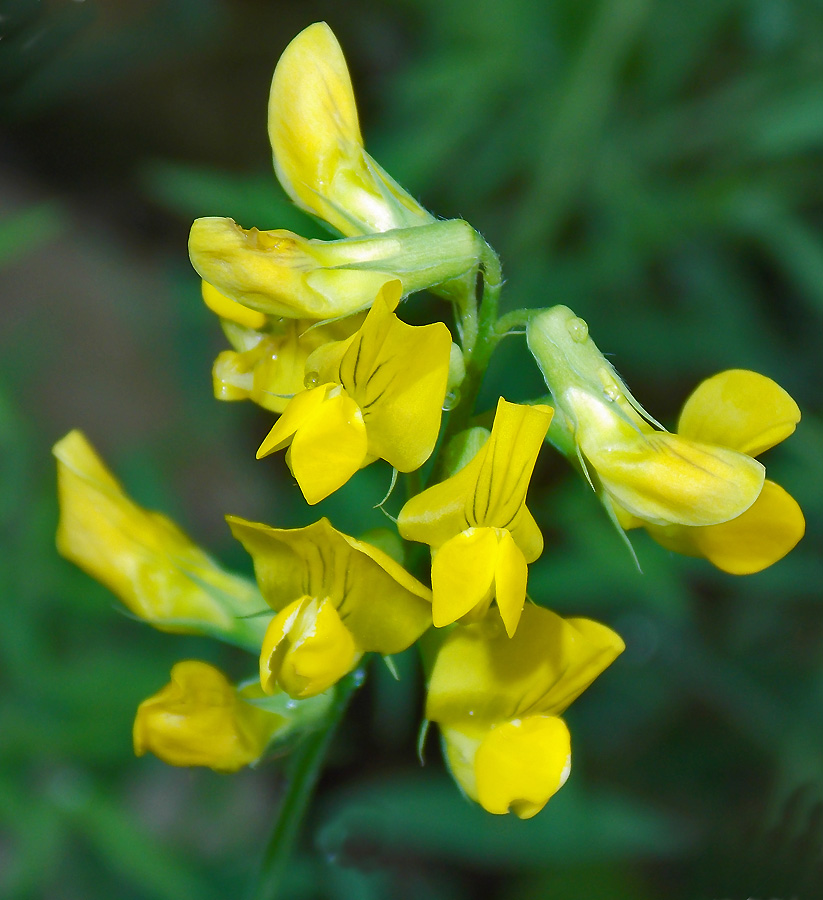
column 144, row 558
column 282, row 274
column 201, row 719
column 318, row 149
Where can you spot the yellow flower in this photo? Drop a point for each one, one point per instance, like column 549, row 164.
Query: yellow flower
column 379, row 395
column 749, row 413
column 144, row 558
column 335, row 598
column 498, row 699
column 201, row 719
column 318, row 150
column 268, row 362
column 478, row 524
column 279, row 273
column 657, row 477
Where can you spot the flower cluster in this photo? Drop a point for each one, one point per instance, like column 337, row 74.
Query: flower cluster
column 318, row 340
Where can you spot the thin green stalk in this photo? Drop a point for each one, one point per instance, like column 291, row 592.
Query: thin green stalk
column 517, row 318
column 477, row 363
column 306, row 765
column 467, row 319
column 478, row 356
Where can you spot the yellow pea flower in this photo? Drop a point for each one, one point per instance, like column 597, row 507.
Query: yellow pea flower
column 201, row 719
column 657, row 477
column 279, row 273
column 478, row 525
column 749, row 413
column 336, row 598
column 498, row 701
column 369, row 390
column 144, row 558
column 268, row 362
column 318, row 149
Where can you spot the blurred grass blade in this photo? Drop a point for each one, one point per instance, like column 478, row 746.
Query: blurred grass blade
column 24, row 231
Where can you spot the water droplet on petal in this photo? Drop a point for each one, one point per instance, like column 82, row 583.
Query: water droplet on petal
column 611, row 389
column 452, row 399
column 578, row 330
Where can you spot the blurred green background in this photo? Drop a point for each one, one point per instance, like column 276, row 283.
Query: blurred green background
column 657, row 165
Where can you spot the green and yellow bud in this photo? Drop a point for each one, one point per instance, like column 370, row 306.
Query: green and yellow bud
column 279, row 273
column 144, row 558
column 318, row 150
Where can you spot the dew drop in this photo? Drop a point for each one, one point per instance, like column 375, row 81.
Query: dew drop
column 578, row 330
column 452, row 399
column 311, row 380
column 611, row 389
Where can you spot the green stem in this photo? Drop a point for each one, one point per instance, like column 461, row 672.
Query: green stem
column 517, row 318
column 477, row 356
column 306, row 765
column 467, row 319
